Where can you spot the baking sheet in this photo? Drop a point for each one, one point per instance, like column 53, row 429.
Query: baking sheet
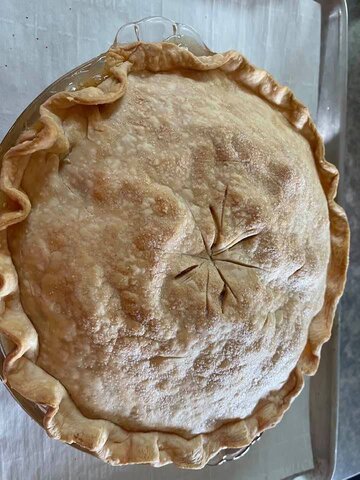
column 252, row 27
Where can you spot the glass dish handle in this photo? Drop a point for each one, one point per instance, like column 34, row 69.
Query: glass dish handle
column 161, row 29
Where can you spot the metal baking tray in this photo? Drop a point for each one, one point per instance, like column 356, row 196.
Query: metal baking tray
column 331, row 122
column 331, row 116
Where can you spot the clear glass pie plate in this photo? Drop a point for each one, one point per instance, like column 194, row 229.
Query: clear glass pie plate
column 149, row 29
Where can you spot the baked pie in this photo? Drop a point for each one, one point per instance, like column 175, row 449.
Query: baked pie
column 172, row 256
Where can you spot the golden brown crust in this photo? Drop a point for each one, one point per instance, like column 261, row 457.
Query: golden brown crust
column 106, row 439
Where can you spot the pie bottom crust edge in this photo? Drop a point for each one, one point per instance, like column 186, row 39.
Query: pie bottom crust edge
column 63, row 419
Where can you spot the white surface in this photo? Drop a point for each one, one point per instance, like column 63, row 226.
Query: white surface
column 57, row 36
column 26, row 452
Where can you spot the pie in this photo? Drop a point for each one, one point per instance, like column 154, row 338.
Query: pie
column 171, row 256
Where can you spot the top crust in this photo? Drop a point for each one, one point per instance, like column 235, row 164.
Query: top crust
column 183, row 249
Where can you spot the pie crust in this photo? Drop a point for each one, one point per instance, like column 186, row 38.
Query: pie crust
column 171, row 256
